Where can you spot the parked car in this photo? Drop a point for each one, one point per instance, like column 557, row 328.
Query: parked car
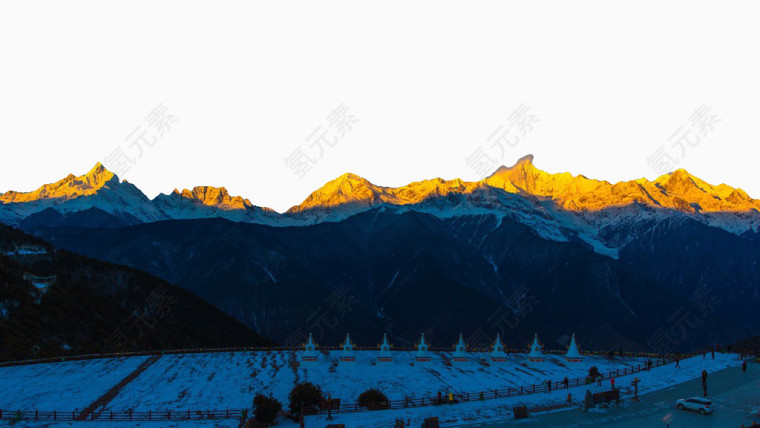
column 697, row 404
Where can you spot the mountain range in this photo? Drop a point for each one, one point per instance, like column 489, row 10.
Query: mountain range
column 560, row 207
column 622, row 265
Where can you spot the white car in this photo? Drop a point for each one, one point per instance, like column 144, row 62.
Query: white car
column 697, row 404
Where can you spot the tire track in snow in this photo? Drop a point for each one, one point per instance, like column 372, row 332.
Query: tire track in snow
column 106, row 398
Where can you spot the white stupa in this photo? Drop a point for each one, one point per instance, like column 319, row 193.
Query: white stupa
column 310, row 353
column 385, row 355
column 460, row 350
column 422, row 350
column 347, row 354
column 497, row 350
column 573, row 355
column 535, row 353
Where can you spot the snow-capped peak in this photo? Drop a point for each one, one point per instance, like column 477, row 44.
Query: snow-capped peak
column 99, row 188
column 68, row 188
column 213, row 196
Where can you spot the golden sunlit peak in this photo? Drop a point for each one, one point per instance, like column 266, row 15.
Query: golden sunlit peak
column 525, row 160
column 69, row 187
column 214, row 196
column 522, row 162
column 98, row 175
column 349, row 176
column 679, row 173
column 97, row 168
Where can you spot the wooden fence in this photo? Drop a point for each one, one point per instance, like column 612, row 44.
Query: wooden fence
column 182, row 415
column 494, row 393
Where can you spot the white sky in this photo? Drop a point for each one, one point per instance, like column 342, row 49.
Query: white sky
column 428, row 81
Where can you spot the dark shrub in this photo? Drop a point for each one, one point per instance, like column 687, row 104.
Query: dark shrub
column 304, row 394
column 266, row 408
column 373, row 399
column 593, row 372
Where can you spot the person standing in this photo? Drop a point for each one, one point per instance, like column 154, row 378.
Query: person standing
column 678, row 363
column 566, row 381
column 704, row 382
column 612, row 381
column 744, row 366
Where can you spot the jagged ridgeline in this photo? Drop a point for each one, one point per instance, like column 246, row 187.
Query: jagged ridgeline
column 54, row 303
column 662, row 264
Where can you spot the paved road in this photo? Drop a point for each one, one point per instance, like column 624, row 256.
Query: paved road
column 735, row 396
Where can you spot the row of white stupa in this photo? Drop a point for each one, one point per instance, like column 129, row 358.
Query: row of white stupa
column 497, row 354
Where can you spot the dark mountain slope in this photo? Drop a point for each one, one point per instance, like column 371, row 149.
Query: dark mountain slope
column 409, row 272
column 54, row 302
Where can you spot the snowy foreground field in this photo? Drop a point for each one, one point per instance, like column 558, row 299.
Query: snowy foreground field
column 230, row 380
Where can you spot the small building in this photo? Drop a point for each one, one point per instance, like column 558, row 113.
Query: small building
column 310, row 353
column 385, row 355
column 423, row 355
column 535, row 355
column 497, row 351
column 460, row 351
column 347, row 355
column 573, row 355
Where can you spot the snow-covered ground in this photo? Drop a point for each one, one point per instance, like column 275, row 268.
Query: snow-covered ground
column 62, row 386
column 221, row 381
column 230, row 380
